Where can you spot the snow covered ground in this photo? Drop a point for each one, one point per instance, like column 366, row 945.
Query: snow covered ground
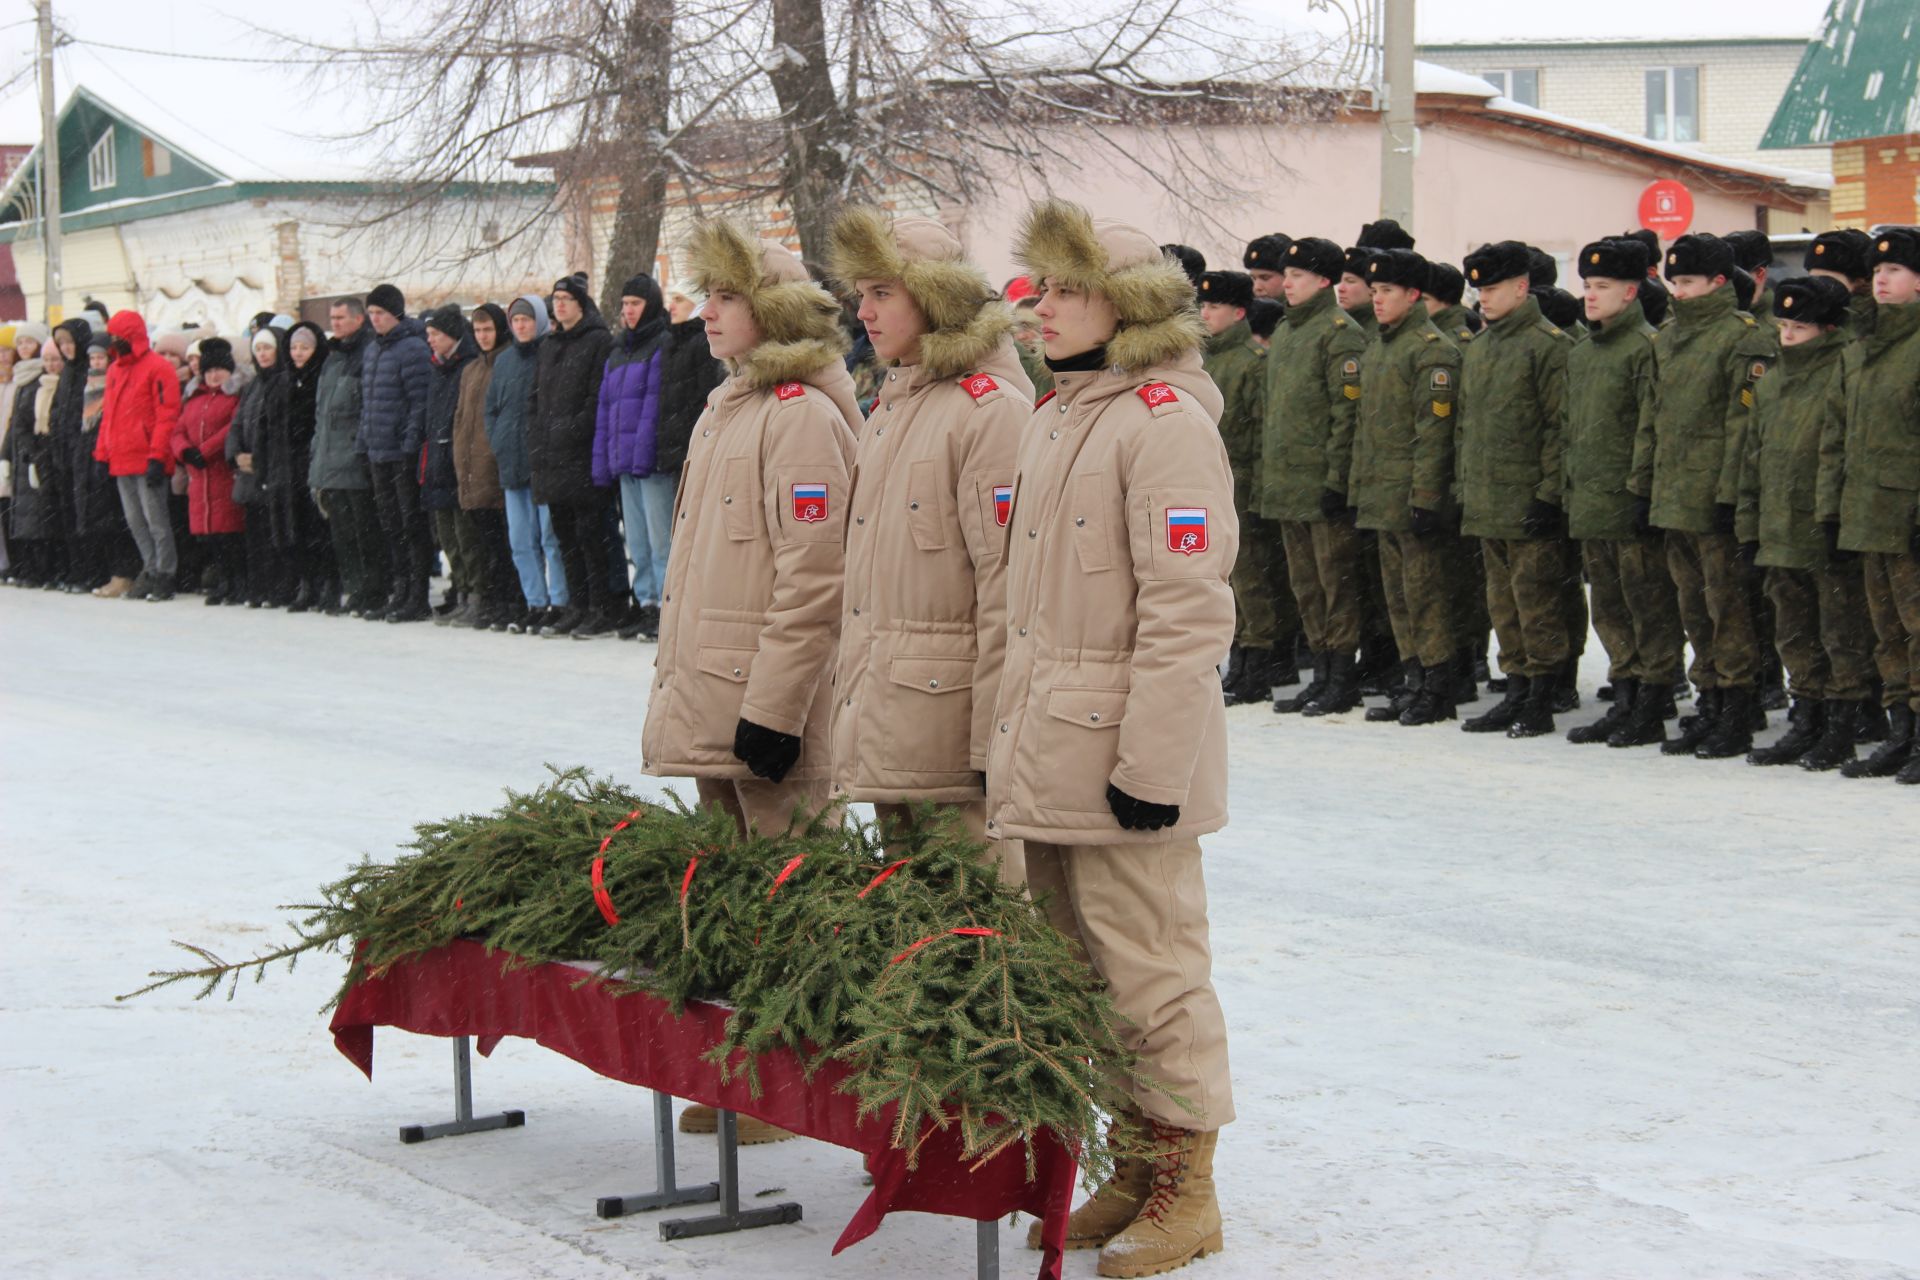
column 1498, row 1009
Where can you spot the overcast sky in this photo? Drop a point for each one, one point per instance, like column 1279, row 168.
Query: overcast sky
column 237, row 115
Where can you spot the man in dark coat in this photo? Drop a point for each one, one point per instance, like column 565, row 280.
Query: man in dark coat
column 396, row 375
column 339, row 477
column 453, row 346
column 566, row 394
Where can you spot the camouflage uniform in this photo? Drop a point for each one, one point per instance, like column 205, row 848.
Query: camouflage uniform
column 1268, row 619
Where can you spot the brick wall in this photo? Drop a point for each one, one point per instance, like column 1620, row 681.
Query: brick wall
column 1605, row 84
column 1877, row 181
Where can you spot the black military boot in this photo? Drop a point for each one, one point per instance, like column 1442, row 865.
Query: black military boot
column 1466, row 685
column 1909, row 774
column 1313, row 689
column 1695, row 728
column 1773, row 681
column 1839, row 724
column 1732, row 733
column 1870, row 725
column 1617, row 715
column 1343, row 687
column 1252, row 682
column 1402, row 694
column 1806, row 725
column 1282, row 667
column 1566, row 687
column 1890, row 756
column 1433, row 700
column 1504, row 712
column 1646, row 723
column 1536, row 714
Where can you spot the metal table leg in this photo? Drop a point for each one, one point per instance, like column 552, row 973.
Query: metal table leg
column 464, row 1121
column 667, row 1192
column 986, row 1248
column 731, row 1216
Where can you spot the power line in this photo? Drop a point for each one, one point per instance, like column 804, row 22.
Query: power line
column 67, row 38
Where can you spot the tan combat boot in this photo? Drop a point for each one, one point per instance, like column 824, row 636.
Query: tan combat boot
column 748, row 1131
column 1181, row 1218
column 114, row 589
column 1108, row 1211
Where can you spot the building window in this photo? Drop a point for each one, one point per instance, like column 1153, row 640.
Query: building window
column 155, row 160
column 1673, row 104
column 1520, row 84
column 100, row 166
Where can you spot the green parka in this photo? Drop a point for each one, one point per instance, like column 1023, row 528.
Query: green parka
column 1513, row 421
column 1238, row 366
column 1871, row 482
column 1403, row 445
column 1799, row 411
column 1452, row 323
column 1313, row 389
column 1610, row 381
column 1688, row 454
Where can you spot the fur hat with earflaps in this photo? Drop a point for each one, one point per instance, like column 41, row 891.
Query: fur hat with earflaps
column 1159, row 320
column 965, row 321
column 799, row 321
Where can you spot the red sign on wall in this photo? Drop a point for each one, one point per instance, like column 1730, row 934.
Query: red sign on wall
column 1666, row 206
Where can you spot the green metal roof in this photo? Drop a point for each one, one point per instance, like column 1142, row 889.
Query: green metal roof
column 1859, row 79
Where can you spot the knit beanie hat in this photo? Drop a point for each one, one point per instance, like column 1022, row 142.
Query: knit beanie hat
column 388, row 298
column 448, row 320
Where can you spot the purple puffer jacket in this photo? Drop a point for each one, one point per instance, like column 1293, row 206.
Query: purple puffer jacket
column 627, row 419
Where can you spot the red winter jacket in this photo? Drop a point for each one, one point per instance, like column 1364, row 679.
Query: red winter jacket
column 142, row 403
column 204, row 423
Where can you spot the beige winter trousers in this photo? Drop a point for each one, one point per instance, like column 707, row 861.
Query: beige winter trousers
column 973, row 819
column 1140, row 913
column 765, row 806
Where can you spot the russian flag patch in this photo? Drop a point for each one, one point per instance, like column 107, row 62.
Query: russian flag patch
column 809, row 503
column 1187, row 530
column 1002, row 504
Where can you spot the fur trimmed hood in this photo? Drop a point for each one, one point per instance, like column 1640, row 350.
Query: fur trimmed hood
column 1159, row 320
column 799, row 321
column 966, row 320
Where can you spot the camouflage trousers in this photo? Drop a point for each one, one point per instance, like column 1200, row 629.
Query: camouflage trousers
column 1820, row 624
column 1262, row 596
column 1414, row 573
column 1467, row 573
column 1711, row 586
column 1634, row 608
column 1323, row 564
column 1893, row 601
column 1573, row 598
column 1526, row 586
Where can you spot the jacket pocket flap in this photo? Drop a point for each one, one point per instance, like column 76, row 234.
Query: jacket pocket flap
column 1093, row 708
column 932, row 675
column 728, row 664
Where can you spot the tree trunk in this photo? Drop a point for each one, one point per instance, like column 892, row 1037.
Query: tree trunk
column 813, row 168
column 640, row 121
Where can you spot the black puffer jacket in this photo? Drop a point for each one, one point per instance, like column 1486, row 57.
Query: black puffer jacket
column 566, row 394
column 439, row 480
column 688, row 374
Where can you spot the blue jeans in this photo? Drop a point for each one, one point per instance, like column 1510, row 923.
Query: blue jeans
column 646, row 507
column 536, row 552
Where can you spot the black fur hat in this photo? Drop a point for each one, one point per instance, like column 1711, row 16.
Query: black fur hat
column 1445, row 282
column 1492, row 263
column 1699, row 254
column 1398, row 266
column 1267, row 252
column 1234, row 288
column 1322, row 257
column 1814, row 299
column 1614, row 259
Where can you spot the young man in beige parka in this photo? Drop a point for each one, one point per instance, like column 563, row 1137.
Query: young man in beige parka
column 923, row 620
column 1108, row 754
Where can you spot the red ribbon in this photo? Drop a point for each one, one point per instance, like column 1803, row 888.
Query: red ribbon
column 686, row 881
column 785, row 871
column 601, row 898
column 880, row 879
column 965, row 931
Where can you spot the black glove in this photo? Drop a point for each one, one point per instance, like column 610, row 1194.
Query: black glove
column 1643, row 516
column 767, row 753
column 1139, row 815
column 1542, row 519
column 1834, row 554
column 1333, row 503
column 1426, row 524
column 1723, row 517
column 1746, row 553
column 156, row 472
column 192, row 456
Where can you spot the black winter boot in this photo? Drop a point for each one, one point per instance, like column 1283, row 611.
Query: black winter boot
column 1313, row 689
column 1433, row 702
column 1646, row 723
column 1732, row 733
column 1806, row 725
column 1909, row 774
column 1343, row 687
column 1283, row 667
column 413, row 605
column 1624, row 692
column 1705, row 707
column 1839, row 725
column 1890, row 756
column 161, row 587
column 1695, row 728
column 1536, row 714
column 1466, row 684
column 1871, row 723
column 1566, row 687
column 1504, row 712
column 1402, row 694
column 1251, row 682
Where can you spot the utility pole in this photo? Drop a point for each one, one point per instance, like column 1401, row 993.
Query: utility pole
column 49, row 163
column 1396, row 112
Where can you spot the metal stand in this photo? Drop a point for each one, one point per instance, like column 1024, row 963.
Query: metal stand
column 986, row 1248
column 669, row 1192
column 463, row 1120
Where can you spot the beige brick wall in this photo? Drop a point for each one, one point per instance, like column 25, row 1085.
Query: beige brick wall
column 1605, row 84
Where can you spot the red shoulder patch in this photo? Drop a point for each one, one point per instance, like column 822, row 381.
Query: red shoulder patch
column 790, row 390
column 979, row 384
column 1155, row 394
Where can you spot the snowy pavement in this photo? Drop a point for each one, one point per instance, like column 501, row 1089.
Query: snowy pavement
column 1498, row 1009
